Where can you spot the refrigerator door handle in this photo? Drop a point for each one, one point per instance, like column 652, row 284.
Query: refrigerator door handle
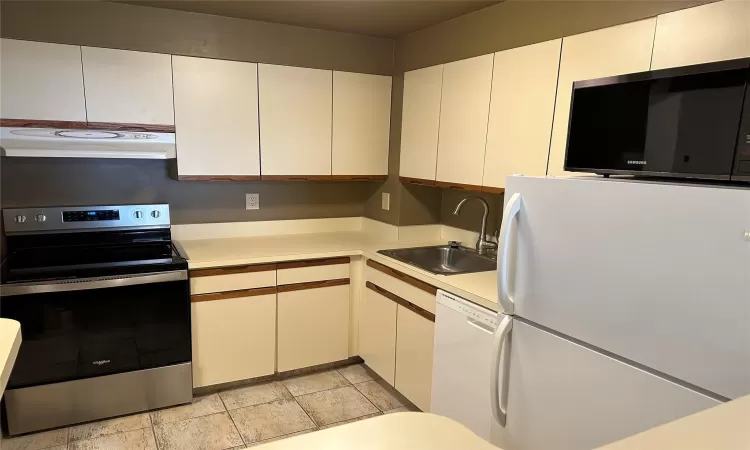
column 509, row 213
column 498, row 397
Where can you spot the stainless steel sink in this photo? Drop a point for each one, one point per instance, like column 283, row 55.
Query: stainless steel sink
column 443, row 259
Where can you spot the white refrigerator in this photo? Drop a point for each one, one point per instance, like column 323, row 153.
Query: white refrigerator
column 626, row 304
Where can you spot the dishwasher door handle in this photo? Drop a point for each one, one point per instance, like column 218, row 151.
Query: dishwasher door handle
column 487, row 328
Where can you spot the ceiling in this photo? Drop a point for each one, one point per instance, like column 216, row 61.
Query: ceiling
column 382, row 18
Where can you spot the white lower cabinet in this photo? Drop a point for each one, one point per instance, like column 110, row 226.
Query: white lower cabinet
column 414, row 347
column 233, row 338
column 313, row 326
column 377, row 333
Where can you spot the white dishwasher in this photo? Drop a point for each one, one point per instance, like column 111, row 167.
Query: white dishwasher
column 461, row 362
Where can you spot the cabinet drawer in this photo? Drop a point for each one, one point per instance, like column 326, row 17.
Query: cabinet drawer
column 415, row 291
column 232, row 278
column 414, row 348
column 313, row 326
column 312, row 270
column 233, row 337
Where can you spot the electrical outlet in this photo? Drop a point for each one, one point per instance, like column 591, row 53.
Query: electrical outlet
column 385, row 201
column 252, row 201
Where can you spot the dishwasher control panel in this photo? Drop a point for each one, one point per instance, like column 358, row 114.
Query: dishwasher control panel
column 470, row 310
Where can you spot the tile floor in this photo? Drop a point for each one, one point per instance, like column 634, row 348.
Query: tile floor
column 235, row 418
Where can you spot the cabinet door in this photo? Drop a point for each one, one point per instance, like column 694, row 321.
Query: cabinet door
column 216, row 116
column 361, row 123
column 414, row 345
column 127, row 87
column 313, row 326
column 707, row 33
column 420, row 121
column 524, row 84
column 377, row 334
column 233, row 339
column 601, row 53
column 295, row 120
column 464, row 112
column 41, row 81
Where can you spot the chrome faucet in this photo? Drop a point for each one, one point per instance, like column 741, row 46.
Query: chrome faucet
column 483, row 245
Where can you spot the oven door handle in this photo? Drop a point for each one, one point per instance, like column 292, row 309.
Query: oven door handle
column 91, row 283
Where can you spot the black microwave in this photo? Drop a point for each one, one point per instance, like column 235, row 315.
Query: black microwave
column 686, row 122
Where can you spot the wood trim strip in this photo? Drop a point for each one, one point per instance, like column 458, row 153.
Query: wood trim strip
column 405, row 303
column 146, row 127
column 30, row 123
column 419, row 181
column 295, row 177
column 312, row 285
column 458, row 186
column 229, row 270
column 359, row 177
column 232, row 294
column 312, row 263
column 419, row 284
column 218, row 177
column 493, row 190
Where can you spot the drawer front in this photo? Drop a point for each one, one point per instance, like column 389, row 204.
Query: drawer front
column 312, row 270
column 413, row 294
column 233, row 338
column 313, row 327
column 232, row 278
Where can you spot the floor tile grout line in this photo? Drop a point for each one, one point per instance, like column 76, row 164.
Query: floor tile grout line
column 156, row 442
column 307, row 414
column 231, row 417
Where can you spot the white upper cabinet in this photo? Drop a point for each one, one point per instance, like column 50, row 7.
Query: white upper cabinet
column 361, row 123
column 707, row 33
column 295, row 120
column 524, row 83
column 601, row 53
column 41, row 81
column 216, row 117
column 420, row 122
column 464, row 112
column 128, row 87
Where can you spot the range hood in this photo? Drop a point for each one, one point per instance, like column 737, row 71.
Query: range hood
column 73, row 143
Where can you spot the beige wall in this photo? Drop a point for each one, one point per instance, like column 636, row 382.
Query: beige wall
column 515, row 23
column 113, row 25
column 87, row 181
column 71, row 181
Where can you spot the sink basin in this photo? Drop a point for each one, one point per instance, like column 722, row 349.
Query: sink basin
column 443, row 259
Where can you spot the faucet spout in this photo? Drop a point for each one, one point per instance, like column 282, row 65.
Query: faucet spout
column 482, row 243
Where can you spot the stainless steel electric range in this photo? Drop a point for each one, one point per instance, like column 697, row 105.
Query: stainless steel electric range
column 103, row 299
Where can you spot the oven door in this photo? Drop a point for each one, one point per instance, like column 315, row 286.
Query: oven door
column 98, row 326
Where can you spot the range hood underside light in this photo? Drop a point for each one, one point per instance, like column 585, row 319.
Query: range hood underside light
column 67, row 143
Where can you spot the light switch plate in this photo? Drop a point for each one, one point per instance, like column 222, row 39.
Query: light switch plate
column 386, row 201
column 252, row 201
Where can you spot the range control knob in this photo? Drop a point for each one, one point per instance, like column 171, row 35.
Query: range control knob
column 155, row 214
column 138, row 214
column 20, row 218
column 40, row 218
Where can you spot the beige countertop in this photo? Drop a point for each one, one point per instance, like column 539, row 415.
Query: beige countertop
column 10, row 342
column 723, row 427
column 480, row 288
column 398, row 431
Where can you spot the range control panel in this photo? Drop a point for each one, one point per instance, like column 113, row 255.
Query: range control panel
column 36, row 220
